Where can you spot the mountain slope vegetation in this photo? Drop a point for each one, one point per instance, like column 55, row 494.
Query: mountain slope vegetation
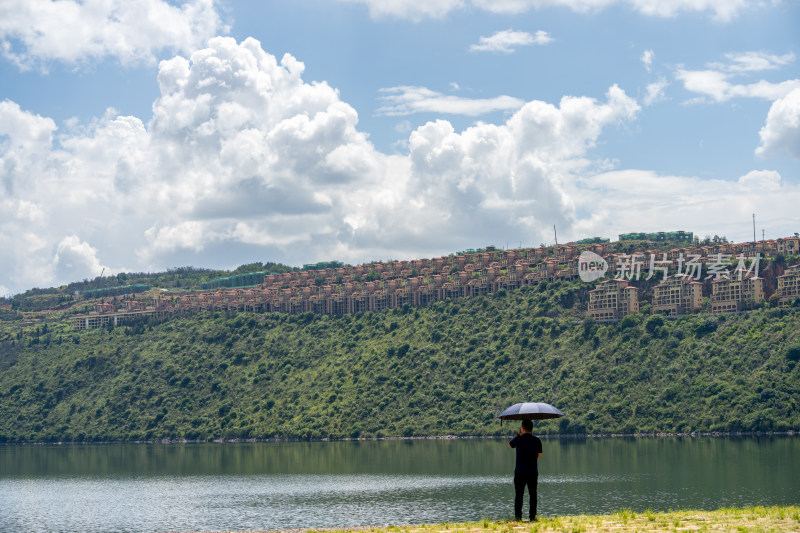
column 447, row 369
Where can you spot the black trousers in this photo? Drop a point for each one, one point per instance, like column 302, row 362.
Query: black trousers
column 520, row 481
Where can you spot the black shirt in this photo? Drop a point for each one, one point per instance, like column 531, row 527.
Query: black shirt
column 528, row 449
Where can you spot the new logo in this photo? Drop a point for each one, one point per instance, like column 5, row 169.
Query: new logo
column 591, row 267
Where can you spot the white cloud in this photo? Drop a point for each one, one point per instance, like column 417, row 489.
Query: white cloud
column 647, row 59
column 245, row 159
column 35, row 32
column 506, row 41
column 720, row 10
column 760, row 180
column 404, row 126
column 235, row 134
column 406, row 100
column 781, row 133
column 716, row 85
column 756, row 61
column 716, row 81
column 75, row 258
column 620, row 200
column 410, row 9
column 655, row 92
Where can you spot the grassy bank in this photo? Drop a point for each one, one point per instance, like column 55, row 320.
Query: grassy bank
column 751, row 519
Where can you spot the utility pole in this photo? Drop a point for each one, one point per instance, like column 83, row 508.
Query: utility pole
column 754, row 228
column 555, row 235
column 762, row 235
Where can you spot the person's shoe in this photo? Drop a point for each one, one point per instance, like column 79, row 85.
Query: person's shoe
column 533, row 518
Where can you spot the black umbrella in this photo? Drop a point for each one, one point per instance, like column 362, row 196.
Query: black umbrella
column 530, row 411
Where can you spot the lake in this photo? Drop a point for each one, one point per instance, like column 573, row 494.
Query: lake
column 203, row 487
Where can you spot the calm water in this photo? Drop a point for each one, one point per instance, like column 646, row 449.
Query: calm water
column 332, row 484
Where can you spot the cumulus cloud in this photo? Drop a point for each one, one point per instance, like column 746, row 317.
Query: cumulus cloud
column 507, row 41
column 720, row 10
column 406, row 100
column 244, row 159
column 75, row 258
column 781, row 133
column 510, row 175
column 36, row 32
column 761, row 180
column 24, row 138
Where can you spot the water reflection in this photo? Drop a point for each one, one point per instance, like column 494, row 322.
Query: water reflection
column 337, row 484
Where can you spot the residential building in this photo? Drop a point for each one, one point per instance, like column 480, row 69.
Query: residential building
column 789, row 246
column 677, row 295
column 332, row 289
column 613, row 299
column 736, row 294
column 789, row 285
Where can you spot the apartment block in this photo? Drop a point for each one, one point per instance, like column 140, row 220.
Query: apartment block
column 613, row 299
column 788, row 246
column 789, row 285
column 736, row 294
column 677, row 295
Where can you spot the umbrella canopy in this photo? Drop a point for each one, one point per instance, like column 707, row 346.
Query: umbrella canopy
column 530, row 411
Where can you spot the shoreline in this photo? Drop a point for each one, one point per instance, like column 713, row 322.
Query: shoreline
column 767, row 519
column 693, row 434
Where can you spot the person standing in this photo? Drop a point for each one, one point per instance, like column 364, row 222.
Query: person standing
column 526, row 471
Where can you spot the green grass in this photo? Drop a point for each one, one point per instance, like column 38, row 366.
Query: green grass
column 751, row 519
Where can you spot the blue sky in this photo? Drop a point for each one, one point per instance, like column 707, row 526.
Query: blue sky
column 140, row 136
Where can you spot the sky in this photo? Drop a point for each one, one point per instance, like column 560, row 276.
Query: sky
column 147, row 135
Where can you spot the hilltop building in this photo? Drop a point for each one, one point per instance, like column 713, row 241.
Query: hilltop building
column 659, row 236
column 789, row 285
column 335, row 288
column 788, row 245
column 677, row 295
column 613, row 299
column 736, row 294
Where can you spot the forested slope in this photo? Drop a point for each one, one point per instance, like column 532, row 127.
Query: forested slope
column 446, row 369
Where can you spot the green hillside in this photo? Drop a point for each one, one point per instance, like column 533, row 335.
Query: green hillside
column 445, row 369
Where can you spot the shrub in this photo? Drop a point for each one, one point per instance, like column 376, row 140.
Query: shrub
column 704, row 327
column 653, row 323
column 793, row 352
